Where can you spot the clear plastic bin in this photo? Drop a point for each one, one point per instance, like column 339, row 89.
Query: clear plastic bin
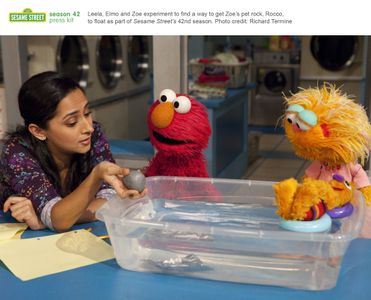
column 226, row 230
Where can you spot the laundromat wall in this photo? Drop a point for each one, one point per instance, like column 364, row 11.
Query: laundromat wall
column 114, row 71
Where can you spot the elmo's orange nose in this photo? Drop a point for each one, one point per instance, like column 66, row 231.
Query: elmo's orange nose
column 162, row 115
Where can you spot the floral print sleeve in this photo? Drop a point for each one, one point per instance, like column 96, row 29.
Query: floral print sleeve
column 21, row 174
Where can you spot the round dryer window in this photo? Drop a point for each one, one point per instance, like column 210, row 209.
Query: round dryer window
column 275, row 81
column 73, row 58
column 138, row 57
column 334, row 53
column 109, row 60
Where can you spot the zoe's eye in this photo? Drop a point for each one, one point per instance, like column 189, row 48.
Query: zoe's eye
column 290, row 118
column 302, row 125
column 182, row 104
column 167, row 95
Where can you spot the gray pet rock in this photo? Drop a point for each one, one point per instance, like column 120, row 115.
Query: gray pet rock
column 135, row 180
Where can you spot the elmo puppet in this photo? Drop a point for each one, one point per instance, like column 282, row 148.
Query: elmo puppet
column 179, row 130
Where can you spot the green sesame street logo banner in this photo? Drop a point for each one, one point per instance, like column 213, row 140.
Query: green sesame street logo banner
column 27, row 15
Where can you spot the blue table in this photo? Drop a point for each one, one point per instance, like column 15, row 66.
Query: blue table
column 108, row 281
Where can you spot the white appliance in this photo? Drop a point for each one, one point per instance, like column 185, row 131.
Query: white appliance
column 335, row 59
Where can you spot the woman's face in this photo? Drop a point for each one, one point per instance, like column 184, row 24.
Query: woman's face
column 70, row 130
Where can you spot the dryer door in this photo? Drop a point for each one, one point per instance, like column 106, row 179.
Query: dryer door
column 73, row 59
column 109, row 60
column 138, row 56
column 274, row 81
column 334, row 53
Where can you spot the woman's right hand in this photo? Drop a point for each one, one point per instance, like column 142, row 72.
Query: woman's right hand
column 113, row 174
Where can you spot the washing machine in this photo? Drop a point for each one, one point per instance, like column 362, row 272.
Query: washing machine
column 123, row 110
column 275, row 77
column 95, row 62
column 336, row 59
column 275, row 80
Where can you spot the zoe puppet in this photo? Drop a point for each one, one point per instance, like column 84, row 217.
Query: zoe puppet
column 328, row 128
column 179, row 130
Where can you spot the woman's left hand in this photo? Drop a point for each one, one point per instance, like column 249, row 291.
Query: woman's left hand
column 23, row 211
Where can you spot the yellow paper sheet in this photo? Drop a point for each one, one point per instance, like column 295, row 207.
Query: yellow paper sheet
column 31, row 258
column 11, row 231
column 17, row 236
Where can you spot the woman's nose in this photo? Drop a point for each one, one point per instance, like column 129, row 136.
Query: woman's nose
column 88, row 126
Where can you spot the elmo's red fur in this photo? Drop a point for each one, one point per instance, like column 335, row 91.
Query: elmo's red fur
column 179, row 130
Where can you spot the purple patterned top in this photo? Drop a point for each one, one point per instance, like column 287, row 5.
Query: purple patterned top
column 21, row 173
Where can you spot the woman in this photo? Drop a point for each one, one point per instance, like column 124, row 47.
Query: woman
column 57, row 169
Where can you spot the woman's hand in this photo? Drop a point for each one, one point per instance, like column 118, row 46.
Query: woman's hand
column 23, row 211
column 113, row 174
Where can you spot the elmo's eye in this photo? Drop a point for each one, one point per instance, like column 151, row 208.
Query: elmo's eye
column 167, row 95
column 182, row 104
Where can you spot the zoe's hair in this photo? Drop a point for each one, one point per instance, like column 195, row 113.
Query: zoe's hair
column 38, row 100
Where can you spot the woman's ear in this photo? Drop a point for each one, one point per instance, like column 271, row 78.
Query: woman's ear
column 37, row 132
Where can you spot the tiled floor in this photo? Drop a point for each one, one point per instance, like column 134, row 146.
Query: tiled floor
column 275, row 160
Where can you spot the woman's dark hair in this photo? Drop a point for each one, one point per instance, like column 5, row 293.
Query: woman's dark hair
column 38, row 100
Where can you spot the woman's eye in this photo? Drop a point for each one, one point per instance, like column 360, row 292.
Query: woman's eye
column 88, row 113
column 71, row 122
